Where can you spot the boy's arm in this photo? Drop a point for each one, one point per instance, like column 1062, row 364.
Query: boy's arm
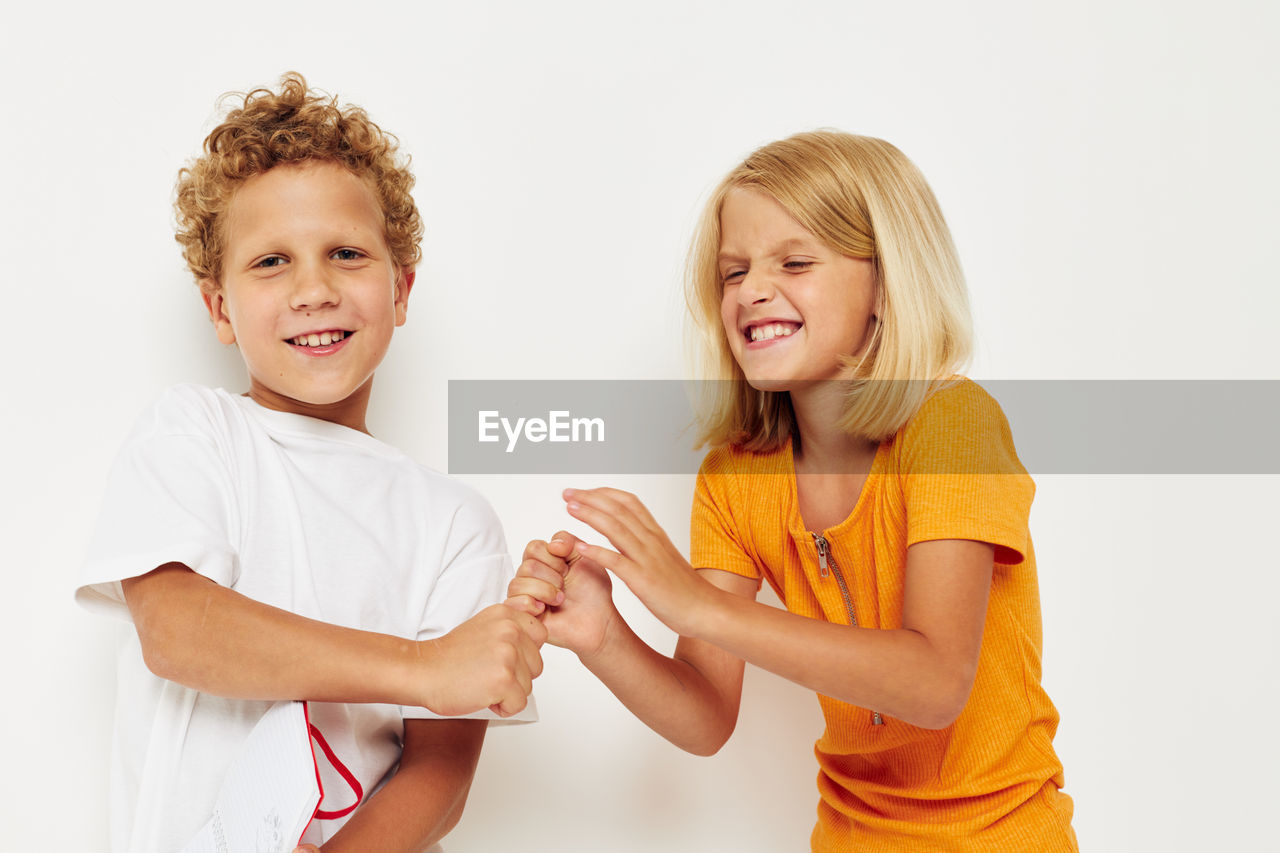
column 690, row 698
column 215, row 640
column 424, row 799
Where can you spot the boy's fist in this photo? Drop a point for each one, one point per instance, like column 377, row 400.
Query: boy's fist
column 489, row 661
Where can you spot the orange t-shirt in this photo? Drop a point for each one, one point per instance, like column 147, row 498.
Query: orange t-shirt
column 990, row 781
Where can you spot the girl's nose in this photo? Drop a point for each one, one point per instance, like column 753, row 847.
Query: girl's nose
column 756, row 288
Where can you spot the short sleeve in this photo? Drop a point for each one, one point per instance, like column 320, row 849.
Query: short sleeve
column 169, row 499
column 715, row 540
column 962, row 478
column 476, row 571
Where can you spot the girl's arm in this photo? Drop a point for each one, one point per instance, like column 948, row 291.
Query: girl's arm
column 215, row 640
column 921, row 673
column 424, row 799
column 691, row 698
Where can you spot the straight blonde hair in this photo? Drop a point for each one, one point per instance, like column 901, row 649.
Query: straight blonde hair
column 863, row 198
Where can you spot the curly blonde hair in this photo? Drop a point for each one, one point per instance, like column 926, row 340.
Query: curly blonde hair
column 295, row 125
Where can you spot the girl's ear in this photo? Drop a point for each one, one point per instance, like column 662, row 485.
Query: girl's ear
column 404, row 284
column 216, row 304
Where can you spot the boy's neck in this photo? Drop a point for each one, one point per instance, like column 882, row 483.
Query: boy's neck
column 348, row 413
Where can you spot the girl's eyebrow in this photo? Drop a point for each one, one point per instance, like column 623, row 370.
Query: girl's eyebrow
column 792, row 244
column 786, row 246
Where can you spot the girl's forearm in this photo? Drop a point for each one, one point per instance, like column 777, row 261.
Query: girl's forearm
column 898, row 673
column 691, row 699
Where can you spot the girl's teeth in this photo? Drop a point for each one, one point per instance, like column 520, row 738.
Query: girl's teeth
column 771, row 331
column 325, row 339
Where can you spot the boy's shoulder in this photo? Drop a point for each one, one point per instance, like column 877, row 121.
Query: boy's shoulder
column 186, row 403
column 235, row 422
column 180, row 412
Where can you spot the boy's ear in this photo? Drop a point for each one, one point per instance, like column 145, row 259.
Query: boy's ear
column 215, row 302
column 404, row 284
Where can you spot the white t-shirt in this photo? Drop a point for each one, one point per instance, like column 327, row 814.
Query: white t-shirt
column 298, row 513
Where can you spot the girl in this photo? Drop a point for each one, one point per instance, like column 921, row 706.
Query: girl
column 875, row 490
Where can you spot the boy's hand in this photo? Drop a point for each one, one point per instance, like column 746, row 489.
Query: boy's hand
column 572, row 593
column 489, row 661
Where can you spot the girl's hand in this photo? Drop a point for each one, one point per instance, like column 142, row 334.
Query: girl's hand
column 645, row 559
column 572, row 593
column 307, row 848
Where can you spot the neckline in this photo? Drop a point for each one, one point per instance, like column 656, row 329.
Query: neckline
column 292, row 423
column 795, row 521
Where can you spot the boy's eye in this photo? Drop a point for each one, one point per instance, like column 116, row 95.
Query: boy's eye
column 346, row 255
column 270, row 261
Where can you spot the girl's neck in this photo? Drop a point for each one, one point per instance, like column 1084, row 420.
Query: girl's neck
column 825, row 448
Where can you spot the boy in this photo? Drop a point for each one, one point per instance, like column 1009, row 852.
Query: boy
column 248, row 538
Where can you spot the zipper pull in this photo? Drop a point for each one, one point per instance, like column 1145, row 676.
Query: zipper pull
column 876, row 719
column 822, row 555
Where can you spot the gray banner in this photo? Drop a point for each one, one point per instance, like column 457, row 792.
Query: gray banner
column 1134, row 427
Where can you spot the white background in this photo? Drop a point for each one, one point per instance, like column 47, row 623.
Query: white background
column 1108, row 169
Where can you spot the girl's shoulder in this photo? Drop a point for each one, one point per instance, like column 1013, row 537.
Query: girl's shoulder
column 732, row 477
column 960, row 403
column 732, row 459
column 960, row 428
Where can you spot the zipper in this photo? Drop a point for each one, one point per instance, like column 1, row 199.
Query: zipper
column 826, row 567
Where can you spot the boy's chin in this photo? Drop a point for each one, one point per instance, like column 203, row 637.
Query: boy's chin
column 306, row 400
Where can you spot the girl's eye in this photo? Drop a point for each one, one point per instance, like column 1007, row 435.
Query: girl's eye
column 346, row 255
column 733, row 276
column 796, row 266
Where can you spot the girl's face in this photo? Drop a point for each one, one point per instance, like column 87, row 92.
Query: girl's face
column 791, row 306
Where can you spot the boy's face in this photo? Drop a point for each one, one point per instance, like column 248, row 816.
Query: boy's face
column 309, row 290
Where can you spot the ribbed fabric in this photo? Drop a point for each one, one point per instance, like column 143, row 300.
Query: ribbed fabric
column 989, row 782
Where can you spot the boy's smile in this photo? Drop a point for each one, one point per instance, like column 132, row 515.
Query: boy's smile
column 309, row 290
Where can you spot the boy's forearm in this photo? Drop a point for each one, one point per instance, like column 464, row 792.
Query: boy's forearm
column 423, row 801
column 214, row 639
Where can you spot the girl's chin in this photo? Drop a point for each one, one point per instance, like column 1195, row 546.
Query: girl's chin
column 761, row 383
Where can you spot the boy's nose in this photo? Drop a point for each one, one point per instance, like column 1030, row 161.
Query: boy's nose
column 313, row 288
